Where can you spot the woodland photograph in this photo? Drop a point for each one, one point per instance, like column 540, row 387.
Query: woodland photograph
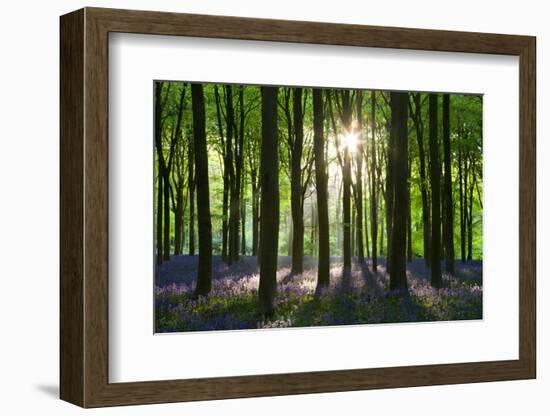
column 279, row 206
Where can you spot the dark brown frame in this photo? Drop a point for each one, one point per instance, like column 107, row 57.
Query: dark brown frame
column 84, row 210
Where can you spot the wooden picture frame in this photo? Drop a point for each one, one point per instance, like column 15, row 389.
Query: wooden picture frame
column 84, row 207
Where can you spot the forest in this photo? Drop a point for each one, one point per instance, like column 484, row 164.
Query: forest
column 300, row 206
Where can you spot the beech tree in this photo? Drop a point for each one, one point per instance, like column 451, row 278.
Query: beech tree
column 399, row 159
column 435, row 175
column 323, row 268
column 269, row 211
column 204, row 275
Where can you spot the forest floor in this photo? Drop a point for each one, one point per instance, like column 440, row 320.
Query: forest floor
column 360, row 297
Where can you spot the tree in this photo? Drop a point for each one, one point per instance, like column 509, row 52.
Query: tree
column 296, row 184
column 346, row 170
column 232, row 156
column 399, row 156
column 374, row 185
column 160, row 166
column 269, row 210
column 448, row 189
column 192, row 184
column 416, row 111
column 435, row 174
column 204, row 276
column 359, row 180
column 321, row 181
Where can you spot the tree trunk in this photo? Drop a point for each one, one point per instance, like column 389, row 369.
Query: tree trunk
column 449, row 216
column 409, row 215
column 470, row 217
column 374, row 184
column 390, row 197
column 296, row 185
column 160, row 166
column 255, row 213
column 435, row 174
column 243, row 220
column 461, row 193
column 399, row 156
column 239, row 178
column 269, row 220
column 166, row 190
column 233, row 239
column 225, row 203
column 346, row 199
column 191, row 182
column 204, row 275
column 159, row 218
column 359, row 181
column 178, row 214
column 419, row 129
column 321, row 182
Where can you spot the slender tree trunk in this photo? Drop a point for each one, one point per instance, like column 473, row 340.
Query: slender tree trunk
column 160, row 165
column 204, row 275
column 239, row 177
column 225, row 203
column 346, row 200
column 374, row 181
column 390, row 198
column 233, row 239
column 166, row 189
column 449, row 216
column 419, row 129
column 296, row 185
column 462, row 204
column 160, row 193
column 359, row 181
column 399, row 156
column 435, row 174
column 178, row 214
column 352, row 229
column 471, row 217
column 191, row 182
column 243, row 220
column 269, row 225
column 312, row 231
column 366, row 208
column 382, row 233
column 409, row 215
column 255, row 214
column 321, row 182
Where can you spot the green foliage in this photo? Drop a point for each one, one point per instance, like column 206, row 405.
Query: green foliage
column 466, row 147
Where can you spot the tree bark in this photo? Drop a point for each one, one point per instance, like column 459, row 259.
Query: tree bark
column 255, row 213
column 390, row 196
column 269, row 220
column 296, row 185
column 359, row 181
column 346, row 199
column 204, row 275
column 243, row 220
column 191, row 182
column 409, row 215
column 435, row 174
column 160, row 167
column 233, row 239
column 225, row 200
column 399, row 156
column 419, row 129
column 178, row 214
column 461, row 193
column 374, row 184
column 449, row 216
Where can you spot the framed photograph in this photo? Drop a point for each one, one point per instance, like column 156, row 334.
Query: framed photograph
column 256, row 207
